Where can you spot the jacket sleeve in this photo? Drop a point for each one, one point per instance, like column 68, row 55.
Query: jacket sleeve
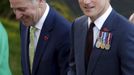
column 126, row 52
column 4, row 52
column 72, row 65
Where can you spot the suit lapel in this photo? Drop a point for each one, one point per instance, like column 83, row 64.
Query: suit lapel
column 43, row 40
column 27, row 49
column 24, row 51
column 79, row 45
column 96, row 52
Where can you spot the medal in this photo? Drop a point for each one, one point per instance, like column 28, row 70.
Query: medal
column 98, row 43
column 107, row 47
column 102, row 45
column 103, row 40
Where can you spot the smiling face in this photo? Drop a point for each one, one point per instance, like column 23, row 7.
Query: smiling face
column 94, row 8
column 26, row 11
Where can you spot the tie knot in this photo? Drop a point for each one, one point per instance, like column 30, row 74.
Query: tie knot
column 32, row 29
column 92, row 25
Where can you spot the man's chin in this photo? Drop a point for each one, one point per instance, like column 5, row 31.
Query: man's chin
column 26, row 24
column 89, row 14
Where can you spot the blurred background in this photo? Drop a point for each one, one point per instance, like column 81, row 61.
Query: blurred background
column 68, row 8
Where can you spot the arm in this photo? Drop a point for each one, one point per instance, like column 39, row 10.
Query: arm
column 127, row 51
column 4, row 52
column 63, row 54
column 72, row 65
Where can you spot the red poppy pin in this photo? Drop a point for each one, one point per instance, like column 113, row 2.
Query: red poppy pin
column 105, row 29
column 45, row 37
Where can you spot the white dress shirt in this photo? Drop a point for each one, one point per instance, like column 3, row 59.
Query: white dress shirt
column 99, row 23
column 39, row 25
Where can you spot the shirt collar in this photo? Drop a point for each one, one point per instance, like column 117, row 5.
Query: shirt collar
column 100, row 21
column 43, row 18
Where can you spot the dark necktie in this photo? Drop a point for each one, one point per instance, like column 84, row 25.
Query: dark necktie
column 89, row 44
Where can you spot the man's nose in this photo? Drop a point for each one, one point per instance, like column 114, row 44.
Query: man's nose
column 18, row 14
column 87, row 1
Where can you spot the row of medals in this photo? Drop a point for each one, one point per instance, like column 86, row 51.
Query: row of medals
column 104, row 40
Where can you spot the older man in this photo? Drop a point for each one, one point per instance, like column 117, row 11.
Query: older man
column 44, row 38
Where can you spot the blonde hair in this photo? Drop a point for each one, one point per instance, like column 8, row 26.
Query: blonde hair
column 131, row 18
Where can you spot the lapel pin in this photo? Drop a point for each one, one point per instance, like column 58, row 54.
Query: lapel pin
column 105, row 29
column 45, row 37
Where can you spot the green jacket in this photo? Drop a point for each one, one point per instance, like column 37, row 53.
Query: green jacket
column 4, row 52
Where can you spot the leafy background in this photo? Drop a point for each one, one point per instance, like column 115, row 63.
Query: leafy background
column 68, row 8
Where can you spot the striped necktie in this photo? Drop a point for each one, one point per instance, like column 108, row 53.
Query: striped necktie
column 31, row 46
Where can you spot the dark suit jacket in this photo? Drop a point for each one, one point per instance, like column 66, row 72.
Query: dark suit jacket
column 118, row 60
column 51, row 56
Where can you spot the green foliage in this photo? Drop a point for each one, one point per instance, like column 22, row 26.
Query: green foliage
column 5, row 8
column 62, row 8
column 12, row 29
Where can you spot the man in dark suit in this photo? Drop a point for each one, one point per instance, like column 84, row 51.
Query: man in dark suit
column 108, row 49
column 44, row 38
